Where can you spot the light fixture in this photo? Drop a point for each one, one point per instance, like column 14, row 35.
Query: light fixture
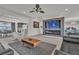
column 37, row 9
column 24, row 12
column 66, row 9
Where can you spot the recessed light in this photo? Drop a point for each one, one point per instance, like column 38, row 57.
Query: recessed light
column 66, row 9
column 24, row 12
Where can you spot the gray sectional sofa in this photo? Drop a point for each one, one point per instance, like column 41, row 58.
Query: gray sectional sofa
column 4, row 51
column 58, row 52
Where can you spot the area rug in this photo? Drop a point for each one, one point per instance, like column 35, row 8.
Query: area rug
column 42, row 49
column 70, row 48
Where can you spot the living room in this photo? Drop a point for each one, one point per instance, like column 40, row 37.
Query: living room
column 31, row 29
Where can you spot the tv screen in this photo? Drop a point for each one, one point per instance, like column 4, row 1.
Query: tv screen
column 5, row 26
column 53, row 24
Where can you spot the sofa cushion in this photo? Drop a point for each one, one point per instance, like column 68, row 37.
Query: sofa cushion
column 58, row 52
column 4, row 51
column 7, row 52
column 1, row 48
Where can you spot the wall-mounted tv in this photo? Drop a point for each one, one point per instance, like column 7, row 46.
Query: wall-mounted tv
column 53, row 24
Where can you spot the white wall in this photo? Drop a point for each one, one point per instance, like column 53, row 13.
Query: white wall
column 41, row 27
column 29, row 21
column 31, row 30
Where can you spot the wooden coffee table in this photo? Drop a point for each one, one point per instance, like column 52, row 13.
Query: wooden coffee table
column 31, row 41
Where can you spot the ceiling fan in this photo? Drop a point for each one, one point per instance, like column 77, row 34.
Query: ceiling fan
column 37, row 9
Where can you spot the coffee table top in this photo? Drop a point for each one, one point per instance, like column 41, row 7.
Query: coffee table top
column 32, row 41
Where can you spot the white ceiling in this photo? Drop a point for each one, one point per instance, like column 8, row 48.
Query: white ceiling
column 51, row 10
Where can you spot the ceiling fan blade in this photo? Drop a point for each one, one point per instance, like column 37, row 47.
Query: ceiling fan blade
column 42, row 12
column 37, row 9
column 31, row 11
